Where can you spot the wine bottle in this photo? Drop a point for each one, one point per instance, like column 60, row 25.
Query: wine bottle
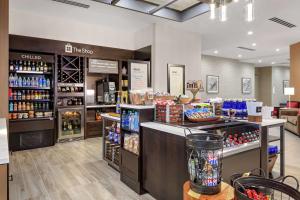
column 25, row 66
column 11, row 66
column 20, row 65
column 42, row 67
column 29, row 66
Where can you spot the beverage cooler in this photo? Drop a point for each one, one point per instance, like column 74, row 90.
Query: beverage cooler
column 70, row 123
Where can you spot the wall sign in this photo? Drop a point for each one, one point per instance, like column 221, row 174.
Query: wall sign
column 103, row 66
column 31, row 57
column 176, row 79
column 138, row 75
column 69, row 48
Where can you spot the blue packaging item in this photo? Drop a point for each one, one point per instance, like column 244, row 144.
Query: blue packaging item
column 273, row 149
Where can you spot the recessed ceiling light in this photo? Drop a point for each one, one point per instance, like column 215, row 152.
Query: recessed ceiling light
column 250, row 32
column 277, row 50
column 216, row 52
column 260, row 61
column 273, row 63
column 235, row 1
column 254, row 44
column 240, row 56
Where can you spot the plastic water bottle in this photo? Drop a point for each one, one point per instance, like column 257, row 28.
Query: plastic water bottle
column 136, row 121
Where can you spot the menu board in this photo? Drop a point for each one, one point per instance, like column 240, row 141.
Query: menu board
column 176, row 80
column 138, row 76
column 103, row 66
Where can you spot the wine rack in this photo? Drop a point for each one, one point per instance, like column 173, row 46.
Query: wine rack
column 70, row 81
column 70, row 69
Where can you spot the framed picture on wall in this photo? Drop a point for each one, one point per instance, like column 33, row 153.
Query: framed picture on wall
column 176, row 79
column 286, row 84
column 246, row 86
column 212, row 84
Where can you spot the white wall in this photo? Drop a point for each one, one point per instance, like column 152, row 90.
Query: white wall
column 230, row 74
column 279, row 74
column 67, row 28
column 174, row 46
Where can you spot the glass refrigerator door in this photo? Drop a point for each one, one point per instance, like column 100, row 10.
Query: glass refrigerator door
column 70, row 124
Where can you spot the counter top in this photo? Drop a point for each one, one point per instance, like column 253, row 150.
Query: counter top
column 100, row 106
column 137, row 107
column 267, row 122
column 4, row 152
column 176, row 130
column 107, row 116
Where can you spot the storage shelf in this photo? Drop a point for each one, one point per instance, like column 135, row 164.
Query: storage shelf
column 31, row 72
column 24, row 111
column 34, row 100
column 70, row 94
column 131, row 131
column 31, row 119
column 273, row 138
column 30, row 88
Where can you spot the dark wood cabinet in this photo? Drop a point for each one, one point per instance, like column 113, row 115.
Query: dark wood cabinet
column 131, row 161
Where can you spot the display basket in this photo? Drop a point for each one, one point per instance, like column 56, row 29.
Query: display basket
column 204, row 160
column 270, row 189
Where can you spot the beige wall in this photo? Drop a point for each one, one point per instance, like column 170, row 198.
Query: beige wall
column 264, row 85
column 295, row 70
column 230, row 72
column 4, row 58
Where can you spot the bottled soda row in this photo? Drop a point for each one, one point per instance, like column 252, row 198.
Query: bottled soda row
column 31, row 66
column 18, row 81
column 28, row 95
column 30, row 115
column 130, row 120
column 69, row 89
column 26, row 106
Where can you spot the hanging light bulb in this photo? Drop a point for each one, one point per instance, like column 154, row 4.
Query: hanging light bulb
column 250, row 11
column 212, row 6
column 223, row 13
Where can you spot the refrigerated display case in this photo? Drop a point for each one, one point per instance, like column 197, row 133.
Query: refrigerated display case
column 70, row 124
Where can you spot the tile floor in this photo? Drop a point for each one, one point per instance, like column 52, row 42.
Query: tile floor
column 76, row 171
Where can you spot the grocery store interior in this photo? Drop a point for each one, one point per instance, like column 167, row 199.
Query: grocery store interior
column 149, row 99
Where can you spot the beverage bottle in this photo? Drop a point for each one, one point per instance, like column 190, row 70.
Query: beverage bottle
column 27, row 106
column 136, row 124
column 37, row 67
column 11, row 107
column 42, row 67
column 23, row 106
column 31, row 106
column 10, row 94
column 23, row 95
column 19, row 95
column 33, row 67
column 25, row 66
column 50, row 68
column 11, row 66
column 40, row 82
column 16, row 66
column 15, row 80
column 44, row 83
column 11, row 80
column 20, row 81
column 47, row 95
column 15, row 106
column 19, row 106
column 45, row 67
column 20, row 66
column 28, row 82
column 47, row 106
column 48, row 83
column 24, row 82
column 29, row 66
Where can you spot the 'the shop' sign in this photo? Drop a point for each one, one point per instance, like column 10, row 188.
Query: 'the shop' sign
column 72, row 49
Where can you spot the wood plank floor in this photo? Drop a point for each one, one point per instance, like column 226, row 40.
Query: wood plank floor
column 76, row 171
column 73, row 170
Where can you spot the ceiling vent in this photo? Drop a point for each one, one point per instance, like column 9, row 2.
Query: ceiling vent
column 282, row 22
column 73, row 3
column 246, row 49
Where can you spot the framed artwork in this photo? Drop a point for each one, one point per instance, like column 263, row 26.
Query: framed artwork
column 212, row 84
column 246, row 86
column 286, row 84
column 176, row 79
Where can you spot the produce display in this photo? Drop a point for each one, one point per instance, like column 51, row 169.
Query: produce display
column 253, row 194
column 200, row 114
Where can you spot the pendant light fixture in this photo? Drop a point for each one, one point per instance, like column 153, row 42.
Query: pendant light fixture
column 212, row 6
column 223, row 13
column 250, row 11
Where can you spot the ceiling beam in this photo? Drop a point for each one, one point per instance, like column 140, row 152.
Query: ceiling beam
column 161, row 7
column 114, row 2
column 194, row 11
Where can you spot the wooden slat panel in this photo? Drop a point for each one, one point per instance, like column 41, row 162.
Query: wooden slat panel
column 27, row 126
column 4, row 57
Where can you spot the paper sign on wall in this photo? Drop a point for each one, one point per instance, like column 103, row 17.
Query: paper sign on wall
column 139, row 76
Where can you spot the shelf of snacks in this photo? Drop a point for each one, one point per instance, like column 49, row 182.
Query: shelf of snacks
column 200, row 115
column 131, row 143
